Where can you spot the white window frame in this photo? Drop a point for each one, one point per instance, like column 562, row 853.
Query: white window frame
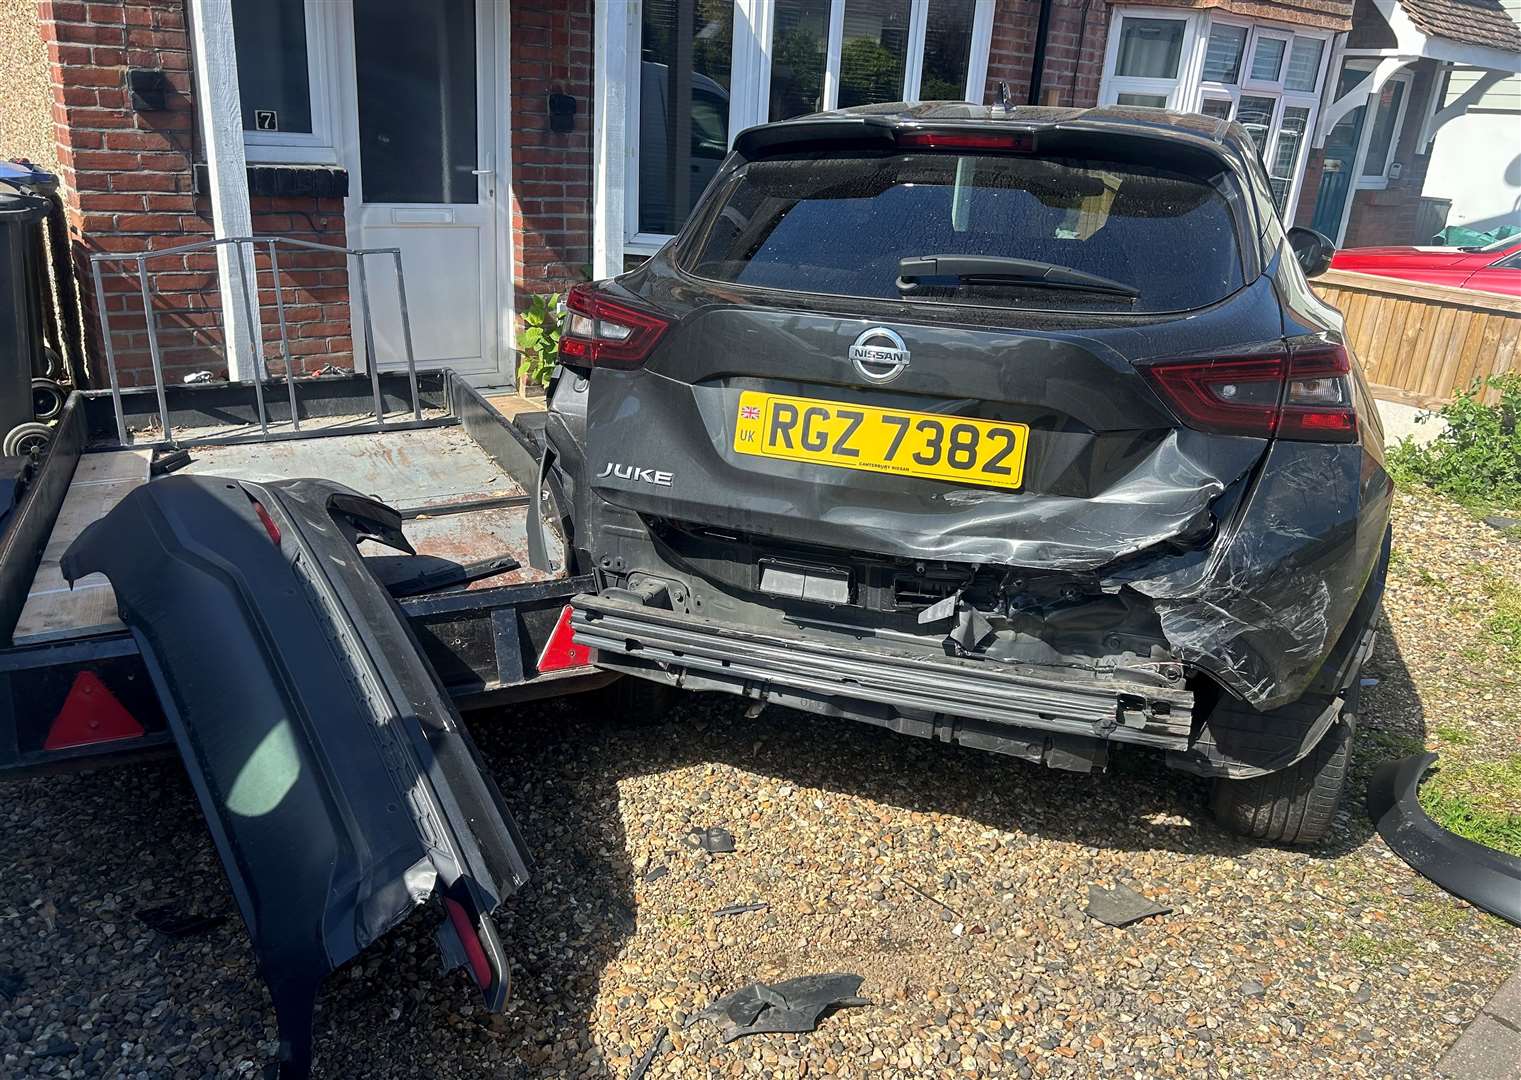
column 750, row 82
column 319, row 147
column 1180, row 89
column 1188, row 91
column 1370, row 117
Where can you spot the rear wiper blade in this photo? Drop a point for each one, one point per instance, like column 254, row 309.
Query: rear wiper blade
column 1003, row 270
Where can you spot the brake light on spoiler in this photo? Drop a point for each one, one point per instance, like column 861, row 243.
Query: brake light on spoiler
column 1017, row 142
column 603, row 332
column 1303, row 393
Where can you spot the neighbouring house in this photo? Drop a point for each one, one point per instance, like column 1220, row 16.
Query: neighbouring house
column 1476, row 153
column 509, row 147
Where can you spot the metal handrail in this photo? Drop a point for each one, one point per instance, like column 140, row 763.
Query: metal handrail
column 250, row 295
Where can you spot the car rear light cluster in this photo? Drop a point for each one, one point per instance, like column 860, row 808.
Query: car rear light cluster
column 1016, row 142
column 602, row 332
column 1304, row 393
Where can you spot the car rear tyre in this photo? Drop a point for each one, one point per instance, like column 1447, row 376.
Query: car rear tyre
column 1295, row 806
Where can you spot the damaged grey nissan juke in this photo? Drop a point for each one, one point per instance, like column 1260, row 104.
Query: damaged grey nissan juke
column 1016, row 428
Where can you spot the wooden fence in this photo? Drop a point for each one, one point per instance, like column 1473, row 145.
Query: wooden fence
column 1418, row 343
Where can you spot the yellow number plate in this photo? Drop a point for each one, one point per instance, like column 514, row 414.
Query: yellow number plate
column 986, row 452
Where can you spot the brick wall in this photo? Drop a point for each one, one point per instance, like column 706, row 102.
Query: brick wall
column 551, row 172
column 128, row 187
column 1075, row 45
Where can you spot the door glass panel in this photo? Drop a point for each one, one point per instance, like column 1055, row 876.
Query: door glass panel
column 947, row 48
column 1222, row 59
column 417, row 115
column 686, row 50
column 1150, row 101
column 273, row 81
column 1304, row 64
column 873, row 51
column 1256, row 115
column 1149, row 48
column 1267, row 59
column 1385, row 115
column 799, row 43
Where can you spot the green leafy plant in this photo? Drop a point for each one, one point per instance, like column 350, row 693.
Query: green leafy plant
column 539, row 339
column 1477, row 460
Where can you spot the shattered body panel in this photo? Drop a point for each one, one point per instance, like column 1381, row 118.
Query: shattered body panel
column 339, row 786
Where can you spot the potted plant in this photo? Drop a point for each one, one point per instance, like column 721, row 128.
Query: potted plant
column 538, row 344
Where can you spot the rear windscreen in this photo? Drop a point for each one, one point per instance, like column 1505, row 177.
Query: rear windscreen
column 840, row 225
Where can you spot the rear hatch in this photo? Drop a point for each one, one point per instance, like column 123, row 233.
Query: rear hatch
column 844, row 350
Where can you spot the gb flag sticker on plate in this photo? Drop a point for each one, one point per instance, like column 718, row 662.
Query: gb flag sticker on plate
column 990, row 453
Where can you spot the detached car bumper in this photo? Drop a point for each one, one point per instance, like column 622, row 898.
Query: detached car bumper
column 1061, row 718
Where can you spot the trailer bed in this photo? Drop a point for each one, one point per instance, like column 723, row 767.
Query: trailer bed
column 438, row 476
column 459, row 473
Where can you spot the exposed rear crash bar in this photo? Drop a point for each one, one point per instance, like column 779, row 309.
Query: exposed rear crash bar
column 1073, row 704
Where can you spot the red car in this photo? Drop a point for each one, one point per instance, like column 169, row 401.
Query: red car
column 1495, row 267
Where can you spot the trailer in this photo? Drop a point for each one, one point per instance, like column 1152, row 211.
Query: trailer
column 178, row 572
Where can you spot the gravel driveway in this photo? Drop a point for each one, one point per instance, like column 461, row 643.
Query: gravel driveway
column 952, row 880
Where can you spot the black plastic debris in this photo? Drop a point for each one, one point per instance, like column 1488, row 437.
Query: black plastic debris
column 1488, row 879
column 662, row 1037
column 1120, row 906
column 796, row 1005
column 741, row 909
column 176, row 923
column 655, row 873
column 715, row 840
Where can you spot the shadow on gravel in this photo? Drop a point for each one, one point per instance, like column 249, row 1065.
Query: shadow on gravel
column 81, row 853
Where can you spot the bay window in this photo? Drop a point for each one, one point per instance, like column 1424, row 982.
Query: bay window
column 1267, row 78
column 708, row 69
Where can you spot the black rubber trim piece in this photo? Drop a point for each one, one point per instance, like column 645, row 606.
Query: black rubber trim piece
column 340, row 788
column 1486, row 878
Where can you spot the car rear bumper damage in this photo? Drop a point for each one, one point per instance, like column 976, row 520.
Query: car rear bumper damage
column 1062, row 719
column 340, row 788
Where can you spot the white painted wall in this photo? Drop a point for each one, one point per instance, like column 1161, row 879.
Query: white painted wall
column 1476, row 161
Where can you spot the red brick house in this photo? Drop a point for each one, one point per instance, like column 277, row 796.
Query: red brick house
column 508, row 147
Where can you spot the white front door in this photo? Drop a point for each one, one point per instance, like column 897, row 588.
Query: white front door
column 424, row 178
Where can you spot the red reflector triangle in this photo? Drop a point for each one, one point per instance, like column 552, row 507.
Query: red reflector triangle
column 90, row 714
column 561, row 651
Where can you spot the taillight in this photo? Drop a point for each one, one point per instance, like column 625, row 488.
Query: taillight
column 1019, row 142
column 1317, row 406
column 268, row 522
column 601, row 331
column 1304, row 393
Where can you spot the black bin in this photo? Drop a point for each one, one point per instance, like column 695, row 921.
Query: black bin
column 24, row 205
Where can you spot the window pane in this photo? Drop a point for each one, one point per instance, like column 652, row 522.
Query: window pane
column 416, row 83
column 947, row 48
column 1267, row 59
column 1149, row 101
column 1304, row 64
column 798, row 46
column 1149, row 48
column 1290, row 139
column 839, row 226
column 1381, row 141
column 273, row 82
column 685, row 52
column 1291, row 136
column 1256, row 115
column 873, row 52
column 1222, row 59
column 1219, row 108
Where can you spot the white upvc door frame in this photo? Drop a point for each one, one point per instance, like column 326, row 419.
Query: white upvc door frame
column 493, row 89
